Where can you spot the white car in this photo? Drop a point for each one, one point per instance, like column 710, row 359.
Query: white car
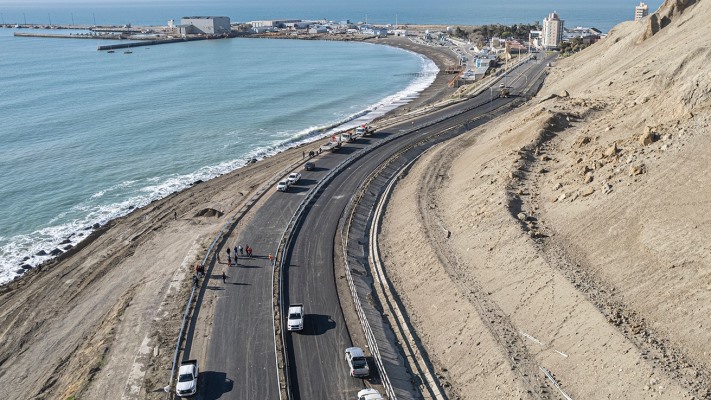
column 295, row 321
column 293, row 178
column 357, row 362
column 283, row 185
column 370, row 394
column 187, row 378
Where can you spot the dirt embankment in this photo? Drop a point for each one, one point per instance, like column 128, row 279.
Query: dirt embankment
column 579, row 229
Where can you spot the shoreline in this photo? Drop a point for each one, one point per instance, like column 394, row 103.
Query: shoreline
column 71, row 242
column 87, row 312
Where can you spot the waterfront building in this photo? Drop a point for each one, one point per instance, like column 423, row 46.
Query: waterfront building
column 274, row 23
column 535, row 39
column 552, row 31
column 204, row 25
column 318, row 29
column 641, row 11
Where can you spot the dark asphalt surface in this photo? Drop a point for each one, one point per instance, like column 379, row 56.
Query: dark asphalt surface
column 240, row 361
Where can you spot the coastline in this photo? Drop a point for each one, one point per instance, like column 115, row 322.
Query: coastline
column 85, row 305
column 52, row 229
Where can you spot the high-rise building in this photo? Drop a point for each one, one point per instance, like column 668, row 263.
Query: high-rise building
column 641, row 11
column 552, row 31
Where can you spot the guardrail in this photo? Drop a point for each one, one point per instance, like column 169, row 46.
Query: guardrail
column 180, row 335
column 211, row 252
column 287, row 236
column 277, row 302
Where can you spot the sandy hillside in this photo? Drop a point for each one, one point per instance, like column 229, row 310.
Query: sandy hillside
column 579, row 229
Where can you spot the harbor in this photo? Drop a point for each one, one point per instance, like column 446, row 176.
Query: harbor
column 190, row 29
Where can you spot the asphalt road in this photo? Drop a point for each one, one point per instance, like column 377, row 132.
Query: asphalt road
column 317, row 366
column 240, row 362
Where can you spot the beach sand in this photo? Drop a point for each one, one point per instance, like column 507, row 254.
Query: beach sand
column 102, row 320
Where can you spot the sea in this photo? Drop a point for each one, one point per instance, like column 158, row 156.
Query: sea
column 88, row 136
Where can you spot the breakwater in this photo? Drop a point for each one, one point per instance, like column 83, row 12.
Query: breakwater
column 70, row 36
column 149, row 43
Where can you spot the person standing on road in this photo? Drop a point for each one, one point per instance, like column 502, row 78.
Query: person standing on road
column 195, row 281
column 271, row 259
column 241, row 250
column 249, row 251
column 224, row 277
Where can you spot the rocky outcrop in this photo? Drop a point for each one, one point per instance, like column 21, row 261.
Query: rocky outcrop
column 664, row 16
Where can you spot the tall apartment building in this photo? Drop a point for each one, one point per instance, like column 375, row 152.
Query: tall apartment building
column 641, row 11
column 552, row 31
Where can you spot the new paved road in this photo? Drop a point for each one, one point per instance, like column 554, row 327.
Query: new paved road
column 240, row 361
column 318, row 368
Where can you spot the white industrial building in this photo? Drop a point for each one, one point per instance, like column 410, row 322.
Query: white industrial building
column 204, row 25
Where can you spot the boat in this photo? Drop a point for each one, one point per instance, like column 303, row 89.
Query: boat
column 110, row 51
column 127, row 52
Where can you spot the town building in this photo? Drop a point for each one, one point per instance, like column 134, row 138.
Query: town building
column 535, row 39
column 552, row 31
column 641, row 11
column 318, row 29
column 274, row 23
column 204, row 25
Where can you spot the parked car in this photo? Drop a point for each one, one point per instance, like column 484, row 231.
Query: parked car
column 309, row 166
column 370, row 394
column 357, row 362
column 283, row 185
column 187, row 378
column 293, row 178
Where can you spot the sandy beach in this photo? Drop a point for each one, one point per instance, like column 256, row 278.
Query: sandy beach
column 104, row 317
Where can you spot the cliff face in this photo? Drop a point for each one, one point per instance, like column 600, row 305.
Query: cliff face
column 665, row 15
column 583, row 217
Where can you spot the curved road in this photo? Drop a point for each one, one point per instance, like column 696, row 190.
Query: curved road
column 240, row 362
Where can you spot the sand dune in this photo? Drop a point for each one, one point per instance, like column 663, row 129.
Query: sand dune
column 580, row 228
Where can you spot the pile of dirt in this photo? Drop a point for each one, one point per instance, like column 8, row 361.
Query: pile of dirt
column 579, row 229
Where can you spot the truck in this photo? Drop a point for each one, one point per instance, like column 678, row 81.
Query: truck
column 295, row 320
column 293, row 178
column 333, row 144
column 504, row 93
column 370, row 394
column 357, row 363
column 283, row 185
column 187, row 378
column 347, row 136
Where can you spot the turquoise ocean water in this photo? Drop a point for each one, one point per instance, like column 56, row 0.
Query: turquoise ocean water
column 87, row 136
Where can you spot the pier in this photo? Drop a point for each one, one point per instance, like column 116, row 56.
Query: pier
column 71, row 36
column 148, row 43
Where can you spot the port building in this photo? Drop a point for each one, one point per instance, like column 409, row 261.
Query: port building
column 204, row 25
column 641, row 11
column 552, row 31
